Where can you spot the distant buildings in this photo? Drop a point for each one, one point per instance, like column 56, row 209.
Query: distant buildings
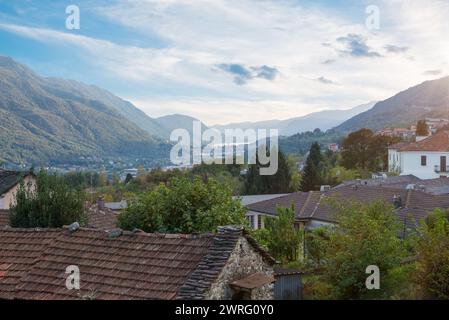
column 333, row 147
column 398, row 132
column 435, row 124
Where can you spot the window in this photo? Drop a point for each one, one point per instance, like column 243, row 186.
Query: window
column 423, row 160
column 251, row 220
column 259, row 221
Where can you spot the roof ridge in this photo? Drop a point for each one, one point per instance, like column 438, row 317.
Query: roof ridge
column 407, row 200
column 317, row 204
column 303, row 208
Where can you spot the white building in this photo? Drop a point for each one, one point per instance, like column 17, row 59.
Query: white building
column 426, row 159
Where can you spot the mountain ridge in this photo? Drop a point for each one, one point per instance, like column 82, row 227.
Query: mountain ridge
column 43, row 120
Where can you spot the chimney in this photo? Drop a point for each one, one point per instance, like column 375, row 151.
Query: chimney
column 100, row 203
column 397, row 201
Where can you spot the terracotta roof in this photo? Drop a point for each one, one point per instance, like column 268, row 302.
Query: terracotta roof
column 98, row 219
column 436, row 142
column 113, row 265
column 105, row 219
column 9, row 179
column 20, row 249
column 4, row 218
column 398, row 145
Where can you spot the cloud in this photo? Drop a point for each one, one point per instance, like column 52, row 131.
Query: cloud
column 181, row 43
column 356, row 46
column 243, row 74
column 396, row 49
column 325, row 80
column 432, row 72
column 328, row 61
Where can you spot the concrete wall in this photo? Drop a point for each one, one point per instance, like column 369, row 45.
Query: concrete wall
column 8, row 198
column 243, row 261
column 411, row 163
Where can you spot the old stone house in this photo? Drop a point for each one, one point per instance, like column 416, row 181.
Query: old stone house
column 116, row 265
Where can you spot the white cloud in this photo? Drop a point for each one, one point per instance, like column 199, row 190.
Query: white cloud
column 201, row 34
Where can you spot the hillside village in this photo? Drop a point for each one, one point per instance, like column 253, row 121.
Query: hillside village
column 119, row 258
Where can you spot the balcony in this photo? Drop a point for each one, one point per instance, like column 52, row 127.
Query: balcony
column 443, row 170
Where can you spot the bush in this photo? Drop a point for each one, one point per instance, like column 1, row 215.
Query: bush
column 185, row 206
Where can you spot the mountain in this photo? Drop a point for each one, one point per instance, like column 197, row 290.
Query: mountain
column 178, row 121
column 47, row 119
column 323, row 120
column 428, row 99
column 70, row 89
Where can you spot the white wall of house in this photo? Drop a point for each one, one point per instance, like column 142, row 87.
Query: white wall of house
column 7, row 199
column 409, row 162
column 256, row 219
column 394, row 161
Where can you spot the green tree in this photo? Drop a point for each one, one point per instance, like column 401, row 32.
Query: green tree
column 128, row 178
column 355, row 149
column 365, row 234
column 311, row 176
column 433, row 256
column 51, row 203
column 280, row 236
column 280, row 182
column 421, row 128
column 364, row 150
column 183, row 205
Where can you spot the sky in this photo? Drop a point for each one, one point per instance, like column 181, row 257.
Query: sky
column 225, row 61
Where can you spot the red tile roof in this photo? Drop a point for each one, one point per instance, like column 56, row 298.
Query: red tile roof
column 436, row 142
column 113, row 265
column 4, row 218
column 105, row 219
column 98, row 219
column 20, row 249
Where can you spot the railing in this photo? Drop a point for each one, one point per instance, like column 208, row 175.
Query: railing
column 438, row 169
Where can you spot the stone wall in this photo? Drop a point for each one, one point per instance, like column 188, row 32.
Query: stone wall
column 243, row 261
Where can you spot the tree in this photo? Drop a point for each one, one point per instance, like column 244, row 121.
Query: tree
column 51, row 203
column 355, row 149
column 280, row 182
column 311, row 177
column 280, row 236
column 421, row 128
column 103, row 179
column 183, row 205
column 128, row 178
column 433, row 256
column 364, row 150
column 365, row 234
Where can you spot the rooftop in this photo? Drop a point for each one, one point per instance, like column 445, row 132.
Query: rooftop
column 436, row 142
column 8, row 179
column 113, row 265
column 313, row 205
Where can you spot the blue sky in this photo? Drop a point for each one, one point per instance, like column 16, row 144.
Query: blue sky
column 229, row 61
